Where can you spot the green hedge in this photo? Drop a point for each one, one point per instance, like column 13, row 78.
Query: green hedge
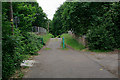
column 100, row 39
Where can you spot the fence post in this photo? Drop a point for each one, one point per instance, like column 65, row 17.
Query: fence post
column 63, row 43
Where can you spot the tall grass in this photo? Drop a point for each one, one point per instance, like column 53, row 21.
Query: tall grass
column 69, row 40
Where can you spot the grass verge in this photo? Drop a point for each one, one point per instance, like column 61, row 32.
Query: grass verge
column 47, row 48
column 47, row 37
column 69, row 40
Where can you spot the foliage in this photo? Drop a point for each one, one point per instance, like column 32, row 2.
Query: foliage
column 46, row 37
column 16, row 47
column 32, row 43
column 69, row 40
column 98, row 21
column 41, row 18
column 30, row 14
column 12, row 50
column 106, row 35
column 57, row 27
column 99, row 38
column 47, row 48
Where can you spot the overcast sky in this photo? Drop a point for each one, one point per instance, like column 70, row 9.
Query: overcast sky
column 50, row 6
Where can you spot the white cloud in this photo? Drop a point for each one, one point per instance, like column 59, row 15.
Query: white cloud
column 50, row 6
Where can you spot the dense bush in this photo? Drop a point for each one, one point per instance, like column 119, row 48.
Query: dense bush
column 12, row 50
column 100, row 39
column 32, row 43
column 14, row 46
column 106, row 35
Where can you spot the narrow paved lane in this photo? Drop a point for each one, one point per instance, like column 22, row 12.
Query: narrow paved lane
column 54, row 62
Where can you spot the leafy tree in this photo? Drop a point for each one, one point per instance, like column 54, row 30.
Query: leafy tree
column 30, row 14
column 41, row 18
column 57, row 24
column 23, row 42
column 99, row 21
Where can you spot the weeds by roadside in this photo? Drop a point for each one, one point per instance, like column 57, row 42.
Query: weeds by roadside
column 69, row 40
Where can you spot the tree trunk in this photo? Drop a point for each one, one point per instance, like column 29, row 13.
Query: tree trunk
column 11, row 17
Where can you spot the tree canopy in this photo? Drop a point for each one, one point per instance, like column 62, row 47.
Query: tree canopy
column 22, row 42
column 99, row 21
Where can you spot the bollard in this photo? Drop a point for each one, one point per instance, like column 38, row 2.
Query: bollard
column 63, row 43
column 42, row 40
